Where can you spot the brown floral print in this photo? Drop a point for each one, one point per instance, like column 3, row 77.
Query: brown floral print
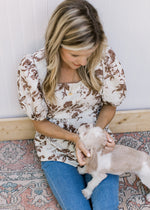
column 71, row 110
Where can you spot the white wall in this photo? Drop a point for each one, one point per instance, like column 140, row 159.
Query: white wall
column 126, row 23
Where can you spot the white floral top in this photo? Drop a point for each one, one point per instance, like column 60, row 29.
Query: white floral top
column 76, row 104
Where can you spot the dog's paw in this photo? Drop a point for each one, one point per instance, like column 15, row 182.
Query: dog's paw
column 148, row 197
column 87, row 193
column 81, row 170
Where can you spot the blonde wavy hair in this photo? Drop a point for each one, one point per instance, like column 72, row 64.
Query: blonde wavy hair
column 75, row 25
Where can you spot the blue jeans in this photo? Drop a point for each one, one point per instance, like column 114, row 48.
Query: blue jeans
column 66, row 184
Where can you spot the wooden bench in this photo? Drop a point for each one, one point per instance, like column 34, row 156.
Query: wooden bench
column 124, row 121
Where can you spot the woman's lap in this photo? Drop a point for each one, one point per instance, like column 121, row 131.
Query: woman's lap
column 105, row 195
column 66, row 184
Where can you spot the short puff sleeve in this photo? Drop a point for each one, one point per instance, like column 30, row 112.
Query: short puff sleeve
column 112, row 76
column 29, row 90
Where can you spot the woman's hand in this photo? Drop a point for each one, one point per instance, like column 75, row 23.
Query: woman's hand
column 81, row 153
column 110, row 144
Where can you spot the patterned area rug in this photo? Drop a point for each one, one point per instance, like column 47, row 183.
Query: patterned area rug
column 24, row 187
column 132, row 191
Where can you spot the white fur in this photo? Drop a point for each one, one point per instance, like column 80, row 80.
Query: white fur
column 121, row 159
column 148, row 197
column 144, row 174
column 104, row 161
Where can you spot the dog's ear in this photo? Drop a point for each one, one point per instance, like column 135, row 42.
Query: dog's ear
column 92, row 150
column 83, row 130
column 102, row 141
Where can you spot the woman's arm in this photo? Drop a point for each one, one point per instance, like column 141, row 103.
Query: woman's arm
column 105, row 116
column 54, row 131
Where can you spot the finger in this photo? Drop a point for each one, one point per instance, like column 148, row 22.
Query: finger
column 81, row 162
column 80, row 157
column 109, row 138
column 84, row 150
column 110, row 144
column 107, row 150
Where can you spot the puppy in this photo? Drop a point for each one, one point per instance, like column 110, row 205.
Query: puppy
column 122, row 159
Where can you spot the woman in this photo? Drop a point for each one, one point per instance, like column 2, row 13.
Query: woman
column 76, row 79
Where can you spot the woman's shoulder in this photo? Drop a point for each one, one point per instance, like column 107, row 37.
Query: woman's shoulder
column 37, row 56
column 34, row 63
column 29, row 85
column 111, row 73
column 108, row 60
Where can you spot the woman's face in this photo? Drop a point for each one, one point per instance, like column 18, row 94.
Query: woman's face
column 73, row 59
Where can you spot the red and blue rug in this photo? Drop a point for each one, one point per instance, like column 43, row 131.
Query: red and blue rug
column 24, row 187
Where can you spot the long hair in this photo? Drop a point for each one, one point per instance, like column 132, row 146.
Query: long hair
column 74, row 24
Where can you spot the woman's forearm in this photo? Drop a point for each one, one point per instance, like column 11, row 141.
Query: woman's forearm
column 106, row 115
column 51, row 130
column 54, row 131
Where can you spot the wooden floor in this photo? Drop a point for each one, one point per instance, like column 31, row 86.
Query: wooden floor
column 124, row 121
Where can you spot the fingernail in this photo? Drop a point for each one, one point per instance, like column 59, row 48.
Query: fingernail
column 88, row 155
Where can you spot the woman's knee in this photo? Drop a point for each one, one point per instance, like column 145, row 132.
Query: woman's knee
column 106, row 195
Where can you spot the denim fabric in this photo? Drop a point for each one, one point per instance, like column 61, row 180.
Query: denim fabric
column 66, row 184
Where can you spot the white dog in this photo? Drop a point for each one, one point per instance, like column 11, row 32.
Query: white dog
column 122, row 159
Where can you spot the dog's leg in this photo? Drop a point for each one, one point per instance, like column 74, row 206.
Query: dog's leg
column 87, row 192
column 144, row 175
column 146, row 180
column 148, row 197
